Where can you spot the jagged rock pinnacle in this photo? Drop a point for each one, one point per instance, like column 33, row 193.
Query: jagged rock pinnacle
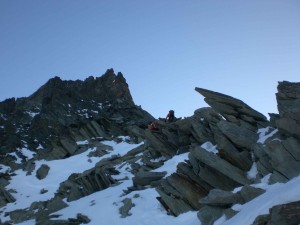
column 58, row 106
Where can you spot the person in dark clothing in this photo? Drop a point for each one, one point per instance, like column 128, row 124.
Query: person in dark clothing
column 170, row 117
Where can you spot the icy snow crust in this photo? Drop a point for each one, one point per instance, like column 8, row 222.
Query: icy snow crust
column 103, row 207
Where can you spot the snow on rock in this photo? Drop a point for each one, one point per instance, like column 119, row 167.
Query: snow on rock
column 160, row 159
column 18, row 159
column 4, row 169
column 27, row 153
column 208, row 146
column 170, row 166
column 108, row 213
column 32, row 114
column 59, row 171
column 40, row 147
column 22, row 154
column 85, row 142
column 3, row 117
column 276, row 194
column 264, row 134
column 251, row 174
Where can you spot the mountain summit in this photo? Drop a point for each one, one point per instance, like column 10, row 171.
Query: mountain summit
column 107, row 88
column 61, row 112
column 81, row 152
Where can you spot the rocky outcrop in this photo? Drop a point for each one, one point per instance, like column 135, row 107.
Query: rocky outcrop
column 124, row 210
column 217, row 197
column 38, row 210
column 208, row 214
column 234, row 127
column 60, row 113
column 216, row 171
column 143, row 178
column 224, row 145
column 233, row 110
column 288, row 99
column 240, row 136
column 5, row 197
column 42, row 172
column 80, row 185
column 285, row 214
column 279, row 154
column 80, row 219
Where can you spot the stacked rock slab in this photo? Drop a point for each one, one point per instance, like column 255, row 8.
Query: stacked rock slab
column 279, row 154
column 288, row 99
column 233, row 110
column 233, row 127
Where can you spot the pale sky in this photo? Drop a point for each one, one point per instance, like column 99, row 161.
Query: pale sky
column 163, row 48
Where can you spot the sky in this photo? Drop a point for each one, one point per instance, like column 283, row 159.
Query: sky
column 163, row 48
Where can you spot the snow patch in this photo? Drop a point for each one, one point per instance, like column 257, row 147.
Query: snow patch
column 28, row 222
column 264, row 182
column 3, row 117
column 261, row 204
column 139, row 161
column 170, row 166
column 4, row 169
column 237, row 207
column 263, row 136
column 160, row 159
column 236, row 190
column 124, row 170
column 40, row 147
column 100, row 105
column 18, row 159
column 27, row 153
column 32, row 114
column 208, row 146
column 59, row 171
column 251, row 174
column 221, row 221
column 85, row 142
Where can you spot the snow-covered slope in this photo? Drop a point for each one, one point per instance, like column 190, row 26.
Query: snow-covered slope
column 103, row 207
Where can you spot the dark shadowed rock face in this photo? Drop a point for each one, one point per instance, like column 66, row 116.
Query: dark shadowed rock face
column 107, row 88
column 62, row 112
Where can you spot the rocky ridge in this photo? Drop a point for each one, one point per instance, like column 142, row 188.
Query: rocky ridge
column 61, row 112
column 54, row 120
